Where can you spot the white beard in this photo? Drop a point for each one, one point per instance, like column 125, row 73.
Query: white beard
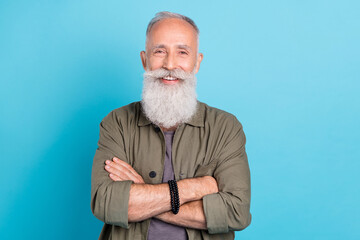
column 169, row 105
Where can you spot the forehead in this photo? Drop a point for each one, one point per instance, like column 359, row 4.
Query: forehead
column 172, row 31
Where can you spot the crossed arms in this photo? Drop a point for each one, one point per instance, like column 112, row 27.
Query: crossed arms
column 146, row 200
column 216, row 200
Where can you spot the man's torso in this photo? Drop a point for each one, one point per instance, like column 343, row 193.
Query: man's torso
column 196, row 150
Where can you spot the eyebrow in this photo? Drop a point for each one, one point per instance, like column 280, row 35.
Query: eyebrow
column 181, row 46
column 184, row 46
column 158, row 46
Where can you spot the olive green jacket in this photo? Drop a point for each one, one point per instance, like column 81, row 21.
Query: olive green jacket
column 212, row 143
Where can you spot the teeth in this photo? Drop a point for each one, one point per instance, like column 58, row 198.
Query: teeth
column 169, row 78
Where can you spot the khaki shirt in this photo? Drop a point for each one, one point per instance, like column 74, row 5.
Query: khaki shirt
column 212, row 143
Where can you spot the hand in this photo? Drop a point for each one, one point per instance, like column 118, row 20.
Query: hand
column 121, row 171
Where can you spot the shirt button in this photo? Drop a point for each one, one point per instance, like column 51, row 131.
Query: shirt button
column 157, row 129
column 152, row 174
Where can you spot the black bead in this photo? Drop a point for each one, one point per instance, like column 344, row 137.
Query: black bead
column 174, row 194
column 152, row 174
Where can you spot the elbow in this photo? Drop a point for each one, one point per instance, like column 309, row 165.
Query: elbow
column 96, row 209
column 104, row 215
column 242, row 222
column 241, row 218
column 233, row 216
column 109, row 203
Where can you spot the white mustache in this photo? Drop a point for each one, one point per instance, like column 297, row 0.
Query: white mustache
column 176, row 73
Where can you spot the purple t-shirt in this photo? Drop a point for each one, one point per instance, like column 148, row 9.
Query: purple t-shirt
column 159, row 230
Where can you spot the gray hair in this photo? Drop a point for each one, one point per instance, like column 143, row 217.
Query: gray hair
column 165, row 15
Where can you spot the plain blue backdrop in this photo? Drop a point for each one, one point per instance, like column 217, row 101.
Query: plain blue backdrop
column 289, row 71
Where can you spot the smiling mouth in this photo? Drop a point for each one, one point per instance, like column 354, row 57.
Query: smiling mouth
column 169, row 80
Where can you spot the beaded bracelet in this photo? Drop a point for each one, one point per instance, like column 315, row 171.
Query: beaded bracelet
column 174, row 195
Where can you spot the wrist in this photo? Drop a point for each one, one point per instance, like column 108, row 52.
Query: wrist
column 210, row 184
column 186, row 194
column 174, row 195
column 193, row 189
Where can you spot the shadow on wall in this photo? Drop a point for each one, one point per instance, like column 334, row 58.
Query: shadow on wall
column 55, row 199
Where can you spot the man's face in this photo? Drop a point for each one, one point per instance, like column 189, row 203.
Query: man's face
column 172, row 44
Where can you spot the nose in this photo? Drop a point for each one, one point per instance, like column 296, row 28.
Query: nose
column 169, row 61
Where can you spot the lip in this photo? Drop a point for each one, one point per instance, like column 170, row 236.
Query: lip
column 169, row 82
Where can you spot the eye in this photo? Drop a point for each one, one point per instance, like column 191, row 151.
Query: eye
column 183, row 53
column 159, row 51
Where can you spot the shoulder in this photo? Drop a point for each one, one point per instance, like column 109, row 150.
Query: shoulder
column 216, row 117
column 125, row 114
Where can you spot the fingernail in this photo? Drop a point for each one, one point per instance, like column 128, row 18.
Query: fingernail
column 107, row 166
column 107, row 162
column 115, row 159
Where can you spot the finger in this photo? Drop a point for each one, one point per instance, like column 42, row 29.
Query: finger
column 111, row 170
column 122, row 176
column 114, row 177
column 127, row 166
column 117, row 167
column 123, row 166
column 123, row 173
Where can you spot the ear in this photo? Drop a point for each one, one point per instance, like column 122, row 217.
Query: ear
column 143, row 59
column 198, row 61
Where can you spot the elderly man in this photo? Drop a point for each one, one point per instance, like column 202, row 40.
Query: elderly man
column 170, row 167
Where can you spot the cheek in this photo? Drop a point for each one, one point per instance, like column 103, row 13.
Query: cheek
column 188, row 64
column 155, row 63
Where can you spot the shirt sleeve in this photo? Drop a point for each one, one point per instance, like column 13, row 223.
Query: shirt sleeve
column 109, row 199
column 229, row 209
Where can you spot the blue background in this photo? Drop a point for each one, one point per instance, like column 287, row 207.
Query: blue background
column 289, row 70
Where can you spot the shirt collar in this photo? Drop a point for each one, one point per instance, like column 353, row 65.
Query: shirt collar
column 197, row 120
